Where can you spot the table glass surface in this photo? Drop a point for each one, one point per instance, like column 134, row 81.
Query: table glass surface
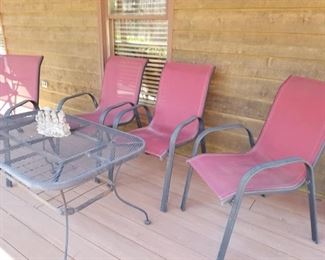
column 49, row 163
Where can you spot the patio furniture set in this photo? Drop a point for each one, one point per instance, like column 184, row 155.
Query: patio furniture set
column 282, row 159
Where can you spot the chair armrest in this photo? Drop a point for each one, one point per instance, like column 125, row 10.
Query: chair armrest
column 218, row 129
column 181, row 125
column 135, row 108
column 11, row 109
column 63, row 100
column 107, row 110
column 270, row 165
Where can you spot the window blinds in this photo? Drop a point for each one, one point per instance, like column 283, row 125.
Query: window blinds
column 149, row 7
column 147, row 37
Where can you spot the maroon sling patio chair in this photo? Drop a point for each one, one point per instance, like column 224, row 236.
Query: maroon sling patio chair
column 282, row 159
column 120, row 90
column 177, row 119
column 19, row 83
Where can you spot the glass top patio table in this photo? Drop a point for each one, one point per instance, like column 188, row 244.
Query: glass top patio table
column 49, row 163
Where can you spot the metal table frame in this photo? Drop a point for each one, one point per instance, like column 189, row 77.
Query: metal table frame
column 18, row 132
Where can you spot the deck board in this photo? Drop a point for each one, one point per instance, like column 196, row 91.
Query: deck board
column 274, row 227
column 8, row 252
column 19, row 235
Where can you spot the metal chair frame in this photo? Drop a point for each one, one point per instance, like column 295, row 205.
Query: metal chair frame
column 237, row 198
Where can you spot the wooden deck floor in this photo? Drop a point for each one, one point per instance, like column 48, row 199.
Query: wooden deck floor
column 276, row 227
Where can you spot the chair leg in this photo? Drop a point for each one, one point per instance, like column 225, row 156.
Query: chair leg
column 9, row 183
column 111, row 173
column 167, row 180
column 230, row 226
column 137, row 119
column 186, row 188
column 203, row 146
column 201, row 129
column 312, row 205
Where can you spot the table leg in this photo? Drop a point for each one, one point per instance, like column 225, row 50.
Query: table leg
column 65, row 212
column 111, row 168
column 7, row 159
column 147, row 221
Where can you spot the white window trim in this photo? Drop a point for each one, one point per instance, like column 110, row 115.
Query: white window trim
column 2, row 36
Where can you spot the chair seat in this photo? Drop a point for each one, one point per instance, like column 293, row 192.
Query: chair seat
column 223, row 172
column 157, row 142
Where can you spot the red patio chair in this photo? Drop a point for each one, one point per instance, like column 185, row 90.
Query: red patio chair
column 282, row 159
column 180, row 103
column 120, row 90
column 19, row 83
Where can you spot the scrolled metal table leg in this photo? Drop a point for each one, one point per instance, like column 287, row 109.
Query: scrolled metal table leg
column 147, row 221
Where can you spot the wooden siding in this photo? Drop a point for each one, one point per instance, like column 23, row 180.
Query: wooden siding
column 255, row 45
column 66, row 33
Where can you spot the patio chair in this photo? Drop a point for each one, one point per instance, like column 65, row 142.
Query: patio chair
column 19, row 83
column 177, row 119
column 282, row 159
column 120, row 90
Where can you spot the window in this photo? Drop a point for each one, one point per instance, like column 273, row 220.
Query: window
column 139, row 28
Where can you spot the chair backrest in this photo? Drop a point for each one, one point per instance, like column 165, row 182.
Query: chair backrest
column 182, row 93
column 122, row 80
column 19, row 80
column 296, row 123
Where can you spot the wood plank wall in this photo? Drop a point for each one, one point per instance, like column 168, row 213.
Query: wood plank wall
column 255, row 45
column 66, row 34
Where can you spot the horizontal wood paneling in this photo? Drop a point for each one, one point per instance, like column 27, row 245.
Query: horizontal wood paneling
column 83, row 34
column 261, row 67
column 66, row 33
column 280, row 45
column 246, row 4
column 32, row 6
column 255, row 45
column 251, row 21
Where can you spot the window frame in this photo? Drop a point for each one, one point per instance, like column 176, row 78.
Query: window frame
column 2, row 34
column 106, row 27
